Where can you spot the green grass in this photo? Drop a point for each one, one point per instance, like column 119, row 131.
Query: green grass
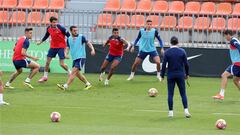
column 123, row 108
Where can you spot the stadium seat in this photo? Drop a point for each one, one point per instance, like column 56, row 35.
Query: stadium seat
column 160, row 7
column 1, row 2
column 144, row 6
column 202, row 23
column 9, row 3
column 56, row 4
column 236, row 10
column 104, row 20
column 233, row 24
column 112, row 5
column 155, row 20
column 224, row 9
column 218, row 24
column 40, row 4
column 122, row 20
column 168, row 22
column 18, row 17
column 176, row 7
column 48, row 15
column 192, row 7
column 25, row 4
column 4, row 17
column 185, row 22
column 208, row 8
column 128, row 6
column 137, row 21
column 34, row 18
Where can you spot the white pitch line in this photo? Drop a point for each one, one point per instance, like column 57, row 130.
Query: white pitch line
column 230, row 114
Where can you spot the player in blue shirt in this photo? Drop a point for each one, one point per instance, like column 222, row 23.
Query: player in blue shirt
column 178, row 71
column 145, row 40
column 76, row 44
column 234, row 69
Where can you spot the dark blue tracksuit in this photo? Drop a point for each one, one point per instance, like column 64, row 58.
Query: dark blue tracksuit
column 178, row 69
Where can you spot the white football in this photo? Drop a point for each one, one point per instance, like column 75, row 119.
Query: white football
column 221, row 124
column 55, row 116
column 152, row 92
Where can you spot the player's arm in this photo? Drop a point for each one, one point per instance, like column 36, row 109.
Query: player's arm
column 66, row 52
column 186, row 65
column 24, row 51
column 125, row 42
column 159, row 41
column 63, row 30
column 136, row 41
column 89, row 44
column 164, row 66
column 106, row 43
column 236, row 44
column 47, row 34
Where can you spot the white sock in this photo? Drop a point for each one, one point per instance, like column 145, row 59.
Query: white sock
column 45, row 74
column 28, row 80
column 186, row 110
column 88, row 83
column 102, row 74
column 106, row 80
column 222, row 92
column 65, row 85
column 8, row 84
column 158, row 74
column 132, row 74
column 1, row 97
column 170, row 112
column 69, row 71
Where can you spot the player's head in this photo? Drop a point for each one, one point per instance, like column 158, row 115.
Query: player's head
column 74, row 30
column 149, row 24
column 115, row 32
column 174, row 40
column 228, row 34
column 28, row 32
column 53, row 20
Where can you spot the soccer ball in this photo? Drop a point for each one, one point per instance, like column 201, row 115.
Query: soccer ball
column 221, row 124
column 55, row 116
column 152, row 92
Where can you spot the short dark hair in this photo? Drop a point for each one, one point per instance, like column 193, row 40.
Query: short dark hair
column 53, row 18
column 28, row 29
column 228, row 32
column 114, row 29
column 72, row 27
column 174, row 40
column 149, row 20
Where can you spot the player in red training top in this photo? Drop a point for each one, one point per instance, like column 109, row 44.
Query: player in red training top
column 115, row 54
column 20, row 61
column 57, row 46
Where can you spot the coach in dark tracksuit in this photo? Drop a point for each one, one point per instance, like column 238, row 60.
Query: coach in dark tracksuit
column 178, row 71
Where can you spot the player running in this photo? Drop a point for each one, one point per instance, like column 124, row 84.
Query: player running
column 115, row 54
column 20, row 61
column 2, row 102
column 57, row 46
column 145, row 40
column 76, row 45
column 233, row 69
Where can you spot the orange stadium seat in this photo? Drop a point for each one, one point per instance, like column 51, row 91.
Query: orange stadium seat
column 192, row 7
column 208, row 8
column 1, row 2
column 168, row 22
column 25, row 4
column 4, row 17
column 202, row 23
column 224, row 9
column 236, row 9
column 160, row 7
column 56, row 4
column 185, row 22
column 9, row 3
column 176, row 7
column 18, row 17
column 155, row 20
column 144, row 6
column 233, row 24
column 137, row 21
column 40, row 4
column 218, row 24
column 48, row 15
column 121, row 21
column 112, row 5
column 104, row 20
column 34, row 18
column 128, row 6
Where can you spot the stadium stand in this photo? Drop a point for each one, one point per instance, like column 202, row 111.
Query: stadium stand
column 155, row 20
column 34, row 18
column 218, row 24
column 112, row 5
column 160, row 7
column 25, row 4
column 9, row 3
column 121, row 21
column 236, row 10
column 40, row 4
column 4, row 17
column 56, row 4
column 105, row 20
column 176, row 7
column 233, row 24
column 128, row 6
column 168, row 22
column 137, row 21
column 224, row 9
column 18, row 17
column 47, row 17
column 192, row 7
column 144, row 6
column 202, row 23
column 185, row 22
column 208, row 8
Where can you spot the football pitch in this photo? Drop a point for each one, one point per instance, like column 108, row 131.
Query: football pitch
column 122, row 108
